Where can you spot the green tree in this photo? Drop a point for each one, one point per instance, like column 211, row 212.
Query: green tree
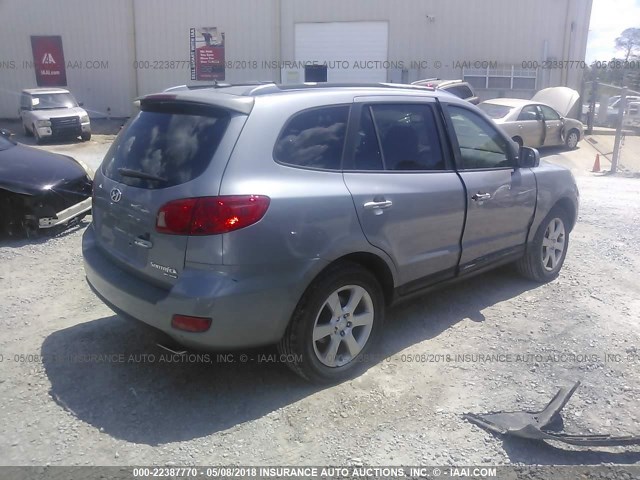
column 629, row 43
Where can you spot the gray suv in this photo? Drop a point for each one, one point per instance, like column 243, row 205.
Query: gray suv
column 293, row 215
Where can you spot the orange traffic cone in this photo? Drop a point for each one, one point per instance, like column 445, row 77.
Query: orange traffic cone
column 596, row 164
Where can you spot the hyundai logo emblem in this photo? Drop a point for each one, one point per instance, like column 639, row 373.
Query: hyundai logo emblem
column 115, row 195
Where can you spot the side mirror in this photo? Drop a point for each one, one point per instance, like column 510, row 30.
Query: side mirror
column 81, row 104
column 528, row 157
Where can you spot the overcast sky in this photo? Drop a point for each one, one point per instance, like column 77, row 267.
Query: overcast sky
column 608, row 19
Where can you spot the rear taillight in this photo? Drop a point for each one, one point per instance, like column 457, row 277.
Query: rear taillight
column 210, row 215
column 190, row 324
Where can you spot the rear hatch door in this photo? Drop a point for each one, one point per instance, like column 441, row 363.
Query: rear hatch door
column 170, row 150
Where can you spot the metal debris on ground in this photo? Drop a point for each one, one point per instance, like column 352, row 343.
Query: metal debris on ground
column 536, row 425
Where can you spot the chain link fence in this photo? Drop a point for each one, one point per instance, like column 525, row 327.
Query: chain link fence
column 612, row 116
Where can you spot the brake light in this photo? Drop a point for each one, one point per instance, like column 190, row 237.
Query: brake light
column 190, row 324
column 211, row 215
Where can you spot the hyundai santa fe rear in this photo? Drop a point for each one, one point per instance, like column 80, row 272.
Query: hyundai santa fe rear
column 253, row 215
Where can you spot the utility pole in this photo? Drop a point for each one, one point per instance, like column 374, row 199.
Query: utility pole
column 592, row 105
column 622, row 105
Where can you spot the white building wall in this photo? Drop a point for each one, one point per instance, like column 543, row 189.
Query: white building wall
column 96, row 39
column 162, row 33
column 504, row 31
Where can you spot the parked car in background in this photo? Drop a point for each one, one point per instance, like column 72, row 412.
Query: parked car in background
column 458, row 88
column 40, row 190
column 53, row 113
column 613, row 108
column 632, row 116
column 253, row 215
column 540, row 121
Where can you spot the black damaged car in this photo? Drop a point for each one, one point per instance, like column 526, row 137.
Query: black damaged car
column 40, row 190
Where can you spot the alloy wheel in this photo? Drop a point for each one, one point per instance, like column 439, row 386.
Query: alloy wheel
column 343, row 325
column 553, row 244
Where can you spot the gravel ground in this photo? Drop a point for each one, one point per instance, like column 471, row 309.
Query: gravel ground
column 131, row 405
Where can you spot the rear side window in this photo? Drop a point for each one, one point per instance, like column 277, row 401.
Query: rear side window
column 166, row 145
column 495, row 111
column 530, row 112
column 314, row 138
column 408, row 136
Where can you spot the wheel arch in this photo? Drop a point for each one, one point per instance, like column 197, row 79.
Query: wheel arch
column 371, row 262
column 566, row 205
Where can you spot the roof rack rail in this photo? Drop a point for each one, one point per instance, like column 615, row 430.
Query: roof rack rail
column 216, row 84
column 275, row 88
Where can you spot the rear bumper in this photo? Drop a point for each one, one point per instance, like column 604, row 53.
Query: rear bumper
column 249, row 306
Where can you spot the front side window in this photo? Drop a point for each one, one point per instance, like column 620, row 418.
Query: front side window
column 481, row 145
column 408, row 137
column 549, row 113
column 25, row 102
column 314, row 138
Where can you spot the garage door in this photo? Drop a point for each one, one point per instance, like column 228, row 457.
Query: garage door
column 354, row 51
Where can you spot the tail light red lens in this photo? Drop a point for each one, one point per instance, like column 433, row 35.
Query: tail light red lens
column 211, row 215
column 190, row 324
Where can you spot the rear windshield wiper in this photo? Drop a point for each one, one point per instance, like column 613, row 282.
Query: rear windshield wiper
column 127, row 172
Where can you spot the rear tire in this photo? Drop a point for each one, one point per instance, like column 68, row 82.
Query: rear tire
column 546, row 254
column 335, row 325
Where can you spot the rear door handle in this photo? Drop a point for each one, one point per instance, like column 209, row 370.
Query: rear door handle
column 381, row 205
column 143, row 242
column 479, row 197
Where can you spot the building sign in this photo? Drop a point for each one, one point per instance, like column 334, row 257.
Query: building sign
column 207, row 54
column 48, row 61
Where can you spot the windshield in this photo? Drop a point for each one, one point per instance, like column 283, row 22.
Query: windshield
column 495, row 111
column 45, row 101
column 5, row 143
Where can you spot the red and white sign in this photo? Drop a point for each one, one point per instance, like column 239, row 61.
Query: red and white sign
column 207, row 54
column 48, row 61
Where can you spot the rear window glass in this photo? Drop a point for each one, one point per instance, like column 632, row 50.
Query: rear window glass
column 165, row 145
column 460, row 91
column 495, row 111
column 314, row 138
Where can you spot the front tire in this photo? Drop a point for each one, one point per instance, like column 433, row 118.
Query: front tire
column 335, row 325
column 573, row 137
column 27, row 132
column 546, row 254
column 86, row 136
column 37, row 136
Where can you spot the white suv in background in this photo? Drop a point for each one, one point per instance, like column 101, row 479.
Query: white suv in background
column 53, row 113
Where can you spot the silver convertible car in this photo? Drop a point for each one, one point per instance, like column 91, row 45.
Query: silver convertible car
column 540, row 122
